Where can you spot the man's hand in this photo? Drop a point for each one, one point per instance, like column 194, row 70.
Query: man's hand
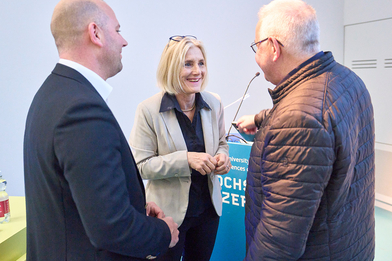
column 173, row 230
column 153, row 210
column 247, row 124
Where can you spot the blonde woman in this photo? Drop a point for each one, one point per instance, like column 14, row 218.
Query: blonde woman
column 178, row 140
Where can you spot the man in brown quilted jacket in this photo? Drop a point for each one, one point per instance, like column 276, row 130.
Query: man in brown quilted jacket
column 310, row 184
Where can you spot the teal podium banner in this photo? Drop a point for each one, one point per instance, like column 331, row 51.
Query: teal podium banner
column 230, row 241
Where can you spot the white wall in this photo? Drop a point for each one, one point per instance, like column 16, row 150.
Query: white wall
column 28, row 55
column 359, row 11
column 368, row 52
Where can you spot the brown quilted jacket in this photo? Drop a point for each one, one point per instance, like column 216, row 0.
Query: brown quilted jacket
column 310, row 184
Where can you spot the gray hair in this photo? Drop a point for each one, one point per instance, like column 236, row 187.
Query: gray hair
column 71, row 18
column 294, row 23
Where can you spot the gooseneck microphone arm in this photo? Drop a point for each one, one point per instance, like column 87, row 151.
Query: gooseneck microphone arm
column 243, row 97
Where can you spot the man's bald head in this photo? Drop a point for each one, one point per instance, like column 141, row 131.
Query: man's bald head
column 71, row 18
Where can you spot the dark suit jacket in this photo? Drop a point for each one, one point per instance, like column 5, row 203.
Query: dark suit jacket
column 84, row 196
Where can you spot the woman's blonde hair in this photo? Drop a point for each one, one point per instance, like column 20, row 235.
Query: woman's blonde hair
column 173, row 60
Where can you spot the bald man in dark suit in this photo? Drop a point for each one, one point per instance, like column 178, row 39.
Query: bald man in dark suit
column 84, row 196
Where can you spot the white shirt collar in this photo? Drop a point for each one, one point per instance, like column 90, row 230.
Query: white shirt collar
column 102, row 87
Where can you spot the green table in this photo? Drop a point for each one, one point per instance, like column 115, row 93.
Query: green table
column 13, row 233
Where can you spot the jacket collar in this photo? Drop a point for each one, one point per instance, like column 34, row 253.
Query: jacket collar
column 102, row 87
column 309, row 69
column 66, row 71
column 170, row 102
column 171, row 122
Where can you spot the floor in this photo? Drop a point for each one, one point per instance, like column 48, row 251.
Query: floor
column 383, row 235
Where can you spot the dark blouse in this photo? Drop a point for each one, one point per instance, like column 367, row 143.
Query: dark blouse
column 192, row 131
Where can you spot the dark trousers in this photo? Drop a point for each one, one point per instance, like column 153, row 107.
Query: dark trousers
column 196, row 239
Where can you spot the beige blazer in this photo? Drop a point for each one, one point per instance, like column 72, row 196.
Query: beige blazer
column 161, row 154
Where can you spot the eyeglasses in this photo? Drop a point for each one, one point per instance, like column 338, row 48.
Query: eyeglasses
column 254, row 45
column 178, row 38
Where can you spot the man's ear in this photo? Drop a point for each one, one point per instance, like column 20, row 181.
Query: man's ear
column 276, row 49
column 95, row 34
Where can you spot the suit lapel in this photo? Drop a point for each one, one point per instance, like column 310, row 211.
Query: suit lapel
column 174, row 129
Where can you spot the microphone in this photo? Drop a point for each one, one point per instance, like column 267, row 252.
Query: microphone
column 243, row 97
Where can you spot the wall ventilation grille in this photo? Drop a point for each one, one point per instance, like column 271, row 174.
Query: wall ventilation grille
column 366, row 64
column 388, row 63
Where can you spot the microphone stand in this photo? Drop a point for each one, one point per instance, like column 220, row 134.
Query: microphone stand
column 243, row 97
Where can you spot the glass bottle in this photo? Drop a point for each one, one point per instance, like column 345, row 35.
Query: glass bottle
column 4, row 201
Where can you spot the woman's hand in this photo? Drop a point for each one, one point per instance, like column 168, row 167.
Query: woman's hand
column 201, row 162
column 223, row 164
